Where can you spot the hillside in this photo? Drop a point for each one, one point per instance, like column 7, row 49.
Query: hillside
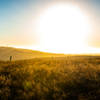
column 20, row 54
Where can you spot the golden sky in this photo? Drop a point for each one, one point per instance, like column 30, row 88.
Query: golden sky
column 60, row 26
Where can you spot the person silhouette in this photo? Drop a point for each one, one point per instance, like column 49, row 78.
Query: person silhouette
column 10, row 58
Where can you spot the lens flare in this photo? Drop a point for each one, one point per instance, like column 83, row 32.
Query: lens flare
column 63, row 29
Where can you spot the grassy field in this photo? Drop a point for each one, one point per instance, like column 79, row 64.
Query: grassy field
column 51, row 78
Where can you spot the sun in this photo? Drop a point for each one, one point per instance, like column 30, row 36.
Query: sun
column 63, row 28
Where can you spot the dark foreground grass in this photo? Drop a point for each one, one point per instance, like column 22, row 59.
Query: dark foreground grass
column 61, row 78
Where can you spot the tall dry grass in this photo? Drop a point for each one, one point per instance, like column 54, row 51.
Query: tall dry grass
column 60, row 78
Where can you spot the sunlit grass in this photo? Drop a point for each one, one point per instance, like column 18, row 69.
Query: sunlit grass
column 56, row 78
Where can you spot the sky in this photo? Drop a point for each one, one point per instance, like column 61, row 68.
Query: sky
column 18, row 18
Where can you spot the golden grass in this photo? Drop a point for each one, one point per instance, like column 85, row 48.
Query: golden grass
column 52, row 78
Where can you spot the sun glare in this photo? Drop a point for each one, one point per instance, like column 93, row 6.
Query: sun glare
column 63, row 29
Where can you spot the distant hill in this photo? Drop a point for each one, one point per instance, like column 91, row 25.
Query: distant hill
column 20, row 54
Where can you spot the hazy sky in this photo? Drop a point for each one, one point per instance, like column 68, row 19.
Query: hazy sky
column 17, row 18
